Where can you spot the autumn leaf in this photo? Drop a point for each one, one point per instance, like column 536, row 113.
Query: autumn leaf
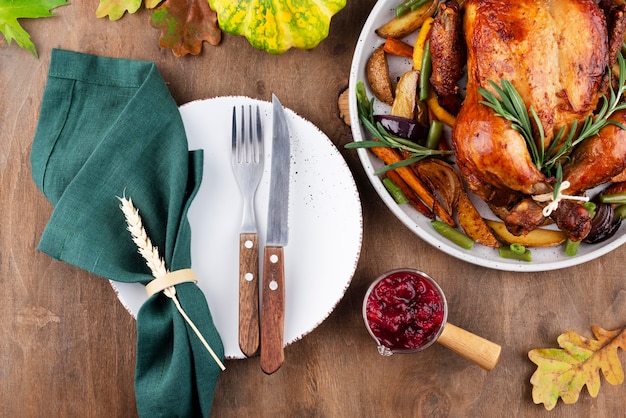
column 185, row 25
column 562, row 372
column 115, row 9
column 11, row 11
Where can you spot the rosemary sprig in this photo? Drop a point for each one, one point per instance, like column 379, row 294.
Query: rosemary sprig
column 508, row 104
column 593, row 125
column 384, row 138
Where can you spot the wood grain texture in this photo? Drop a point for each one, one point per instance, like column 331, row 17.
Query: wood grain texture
column 472, row 347
column 273, row 309
column 67, row 346
column 249, row 293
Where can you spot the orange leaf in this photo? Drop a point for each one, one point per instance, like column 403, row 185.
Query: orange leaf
column 562, row 373
column 185, row 25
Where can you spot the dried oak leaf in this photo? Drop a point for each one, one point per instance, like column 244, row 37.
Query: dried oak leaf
column 562, row 372
column 185, row 24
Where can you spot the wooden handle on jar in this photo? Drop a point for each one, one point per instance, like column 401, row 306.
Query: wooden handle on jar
column 476, row 349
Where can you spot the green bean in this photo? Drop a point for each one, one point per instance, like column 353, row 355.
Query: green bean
column 571, row 247
column 453, row 234
column 619, row 198
column 514, row 252
column 517, row 248
column 620, row 212
column 434, row 134
column 395, row 191
column 408, row 5
column 591, row 208
column 427, row 67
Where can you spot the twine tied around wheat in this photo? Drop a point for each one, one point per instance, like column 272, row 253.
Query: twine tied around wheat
column 156, row 264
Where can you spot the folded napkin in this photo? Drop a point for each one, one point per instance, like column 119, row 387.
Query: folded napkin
column 109, row 128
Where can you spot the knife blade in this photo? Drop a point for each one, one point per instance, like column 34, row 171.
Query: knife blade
column 273, row 289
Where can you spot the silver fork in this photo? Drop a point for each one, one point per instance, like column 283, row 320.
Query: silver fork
column 247, row 162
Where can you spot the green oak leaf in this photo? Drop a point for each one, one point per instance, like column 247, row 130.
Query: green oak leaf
column 115, row 9
column 12, row 10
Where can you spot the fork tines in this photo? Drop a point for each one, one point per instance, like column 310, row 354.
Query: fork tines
column 247, row 141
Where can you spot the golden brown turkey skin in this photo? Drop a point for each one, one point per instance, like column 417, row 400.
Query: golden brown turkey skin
column 555, row 53
column 599, row 158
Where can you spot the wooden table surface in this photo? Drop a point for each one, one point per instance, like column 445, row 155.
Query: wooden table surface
column 67, row 346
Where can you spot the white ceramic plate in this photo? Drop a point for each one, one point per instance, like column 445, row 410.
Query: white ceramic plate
column 325, row 222
column 544, row 259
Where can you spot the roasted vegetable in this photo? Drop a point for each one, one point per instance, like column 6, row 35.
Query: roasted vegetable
column 395, row 46
column 405, row 102
column 603, row 225
column 442, row 179
column 453, row 235
column 399, row 27
column 403, row 127
column 389, row 157
column 537, row 238
column 516, row 252
column 377, row 69
column 447, row 188
column 473, row 224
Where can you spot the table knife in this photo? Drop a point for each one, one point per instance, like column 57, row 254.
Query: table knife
column 273, row 289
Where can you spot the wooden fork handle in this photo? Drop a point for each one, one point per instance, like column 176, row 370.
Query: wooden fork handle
column 249, row 293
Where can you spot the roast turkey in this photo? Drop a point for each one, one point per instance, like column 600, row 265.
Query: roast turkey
column 556, row 55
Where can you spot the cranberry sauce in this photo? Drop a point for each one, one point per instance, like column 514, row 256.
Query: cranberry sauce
column 405, row 310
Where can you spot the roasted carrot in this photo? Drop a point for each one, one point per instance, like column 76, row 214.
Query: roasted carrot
column 410, row 194
column 395, row 46
column 390, row 156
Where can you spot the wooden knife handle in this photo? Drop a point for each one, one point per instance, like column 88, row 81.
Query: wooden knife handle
column 272, row 309
column 249, row 293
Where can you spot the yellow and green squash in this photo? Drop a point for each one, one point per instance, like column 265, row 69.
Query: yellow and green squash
column 277, row 25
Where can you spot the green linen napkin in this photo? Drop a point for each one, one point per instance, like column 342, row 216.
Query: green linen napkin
column 109, row 127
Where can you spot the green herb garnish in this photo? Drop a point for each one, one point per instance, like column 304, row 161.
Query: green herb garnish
column 509, row 105
column 384, row 138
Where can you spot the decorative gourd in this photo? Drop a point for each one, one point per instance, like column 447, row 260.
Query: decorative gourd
column 277, row 25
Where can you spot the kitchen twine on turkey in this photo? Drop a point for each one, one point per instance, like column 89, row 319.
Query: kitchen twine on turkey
column 554, row 204
column 164, row 280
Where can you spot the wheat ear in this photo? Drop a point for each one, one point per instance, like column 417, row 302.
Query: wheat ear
column 149, row 252
column 156, row 264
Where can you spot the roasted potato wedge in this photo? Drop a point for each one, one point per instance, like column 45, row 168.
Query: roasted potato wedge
column 447, row 188
column 406, row 95
column 399, row 27
column 473, row 224
column 377, row 69
column 537, row 238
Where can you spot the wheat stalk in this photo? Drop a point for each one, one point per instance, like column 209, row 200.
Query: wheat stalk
column 156, row 264
column 149, row 252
